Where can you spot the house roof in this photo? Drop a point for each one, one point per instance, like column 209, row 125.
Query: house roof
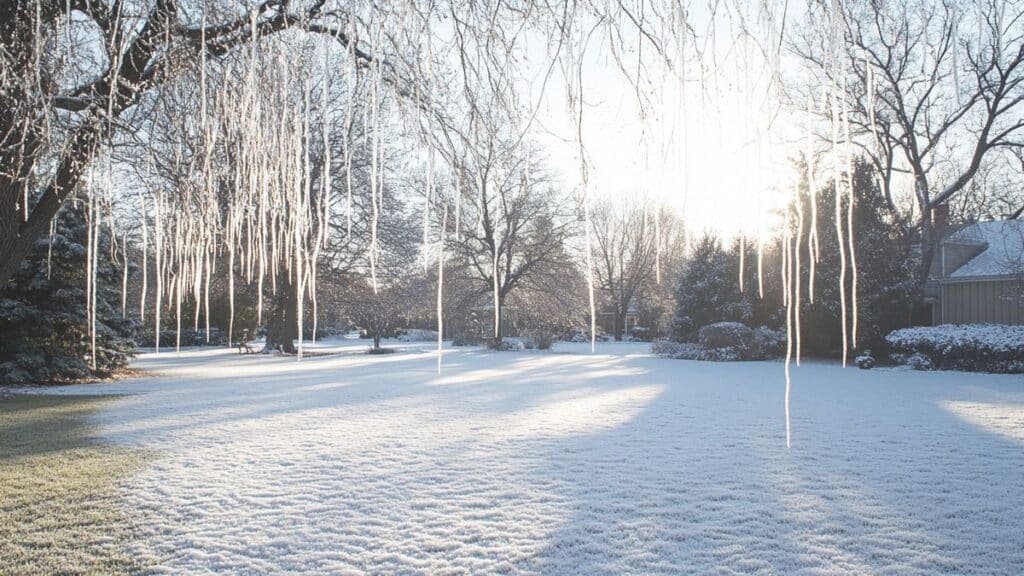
column 1003, row 253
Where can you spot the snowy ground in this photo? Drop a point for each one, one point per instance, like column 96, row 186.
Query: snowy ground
column 568, row 463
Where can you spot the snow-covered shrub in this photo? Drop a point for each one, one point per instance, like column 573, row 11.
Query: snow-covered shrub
column 694, row 351
column 540, row 339
column 768, row 343
column 726, row 335
column 865, row 361
column 970, row 347
column 679, row 350
column 726, row 342
column 417, row 335
column 507, row 345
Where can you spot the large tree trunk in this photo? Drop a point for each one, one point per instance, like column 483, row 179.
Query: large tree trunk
column 282, row 320
column 928, row 243
column 619, row 324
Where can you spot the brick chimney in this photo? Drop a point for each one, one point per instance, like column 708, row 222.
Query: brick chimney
column 940, row 219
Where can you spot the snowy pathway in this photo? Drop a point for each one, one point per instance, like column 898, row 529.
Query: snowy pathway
column 567, row 463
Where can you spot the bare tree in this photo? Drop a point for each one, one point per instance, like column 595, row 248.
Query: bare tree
column 380, row 312
column 70, row 70
column 932, row 90
column 512, row 227
column 628, row 240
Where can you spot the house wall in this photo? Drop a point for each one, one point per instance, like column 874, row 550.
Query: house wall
column 983, row 302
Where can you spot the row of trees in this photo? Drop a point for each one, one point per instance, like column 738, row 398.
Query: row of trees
column 888, row 292
column 281, row 156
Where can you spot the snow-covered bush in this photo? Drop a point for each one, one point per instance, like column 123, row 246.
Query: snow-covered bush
column 971, row 347
column 417, row 335
column 726, row 342
column 508, row 345
column 768, row 343
column 726, row 335
column 865, row 361
column 679, row 350
column 540, row 339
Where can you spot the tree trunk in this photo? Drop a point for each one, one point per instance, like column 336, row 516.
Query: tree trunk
column 282, row 321
column 928, row 242
column 620, row 324
column 376, row 340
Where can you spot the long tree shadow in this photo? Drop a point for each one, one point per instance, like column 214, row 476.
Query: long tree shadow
column 578, row 464
column 880, row 479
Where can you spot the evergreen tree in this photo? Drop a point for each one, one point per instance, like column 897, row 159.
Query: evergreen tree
column 886, row 287
column 708, row 290
column 43, row 318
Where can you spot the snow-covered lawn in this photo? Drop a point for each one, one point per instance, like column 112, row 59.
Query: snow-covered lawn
column 568, row 463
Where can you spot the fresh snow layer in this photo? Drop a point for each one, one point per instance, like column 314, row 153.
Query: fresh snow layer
column 567, row 463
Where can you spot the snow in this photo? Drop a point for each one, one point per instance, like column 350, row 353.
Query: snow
column 565, row 462
column 1004, row 248
column 993, row 338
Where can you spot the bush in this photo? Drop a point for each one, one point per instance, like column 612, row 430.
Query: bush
column 865, row 361
column 416, row 335
column 768, row 343
column 970, row 347
column 694, row 351
column 507, row 345
column 726, row 342
column 539, row 339
column 726, row 335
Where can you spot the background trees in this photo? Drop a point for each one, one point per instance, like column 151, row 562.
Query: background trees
column 886, row 283
column 513, row 226
column 71, row 69
column 930, row 92
column 707, row 290
column 630, row 240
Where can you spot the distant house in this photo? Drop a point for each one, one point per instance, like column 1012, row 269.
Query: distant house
column 606, row 320
column 978, row 275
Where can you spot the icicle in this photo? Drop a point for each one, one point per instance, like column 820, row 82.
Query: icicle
column 440, row 287
column 848, row 145
column 797, row 268
column 158, row 229
column 657, row 244
column 49, row 247
column 428, row 193
column 743, row 254
column 812, row 194
column 458, row 203
column 837, row 192
column 787, row 283
column 497, row 291
column 124, row 276
column 89, row 241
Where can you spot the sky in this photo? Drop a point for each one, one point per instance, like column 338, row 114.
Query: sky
column 703, row 147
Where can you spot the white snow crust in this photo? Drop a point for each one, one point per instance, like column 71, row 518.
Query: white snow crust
column 566, row 463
